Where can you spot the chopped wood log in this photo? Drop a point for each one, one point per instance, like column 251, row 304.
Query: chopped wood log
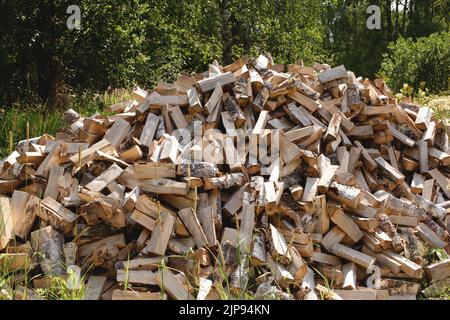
column 400, row 136
column 161, row 235
column 406, row 265
column 350, row 276
column 136, row 295
column 429, row 236
column 346, row 224
column 117, row 240
column 352, row 255
column 258, row 254
column 52, row 186
column 261, row 123
column 137, row 277
column 289, row 151
column 278, row 245
column 206, row 218
column 305, row 101
column 247, row 225
column 94, row 287
column 327, row 173
column 392, row 173
column 404, row 220
column 327, row 293
column 57, row 215
column 170, row 284
column 118, row 132
column 423, row 156
column 384, row 260
column 335, row 235
column 298, row 267
column 442, row 181
column 208, row 84
column 332, row 74
column 388, row 227
column 283, row 277
column 310, row 189
column 24, row 208
column 234, row 110
column 423, row 118
column 326, row 259
column 87, row 155
column 194, row 101
column 178, row 118
column 297, row 134
column 149, row 129
column 417, row 183
column 234, row 203
column 333, row 128
column 320, row 206
column 443, row 157
column 169, row 152
column 154, row 170
column 198, row 169
column 49, row 242
column 369, row 163
column 140, row 264
column 108, row 176
column 430, row 135
column 192, row 224
column 297, row 115
column 163, row 186
column 347, row 195
column 438, row 270
column 6, row 222
column 225, row 182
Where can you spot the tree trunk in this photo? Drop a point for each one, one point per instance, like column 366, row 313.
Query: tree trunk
column 405, row 10
column 388, row 20
column 226, row 31
column 397, row 3
column 50, row 71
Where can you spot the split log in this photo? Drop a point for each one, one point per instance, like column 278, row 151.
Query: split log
column 49, row 243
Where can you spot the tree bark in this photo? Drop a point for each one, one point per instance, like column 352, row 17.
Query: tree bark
column 397, row 4
column 388, row 20
column 405, row 11
column 226, row 31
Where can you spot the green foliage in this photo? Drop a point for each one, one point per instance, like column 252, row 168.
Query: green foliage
column 361, row 49
column 436, row 255
column 141, row 42
column 131, row 42
column 59, row 289
column 426, row 60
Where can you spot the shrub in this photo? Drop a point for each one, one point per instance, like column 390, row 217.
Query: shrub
column 411, row 61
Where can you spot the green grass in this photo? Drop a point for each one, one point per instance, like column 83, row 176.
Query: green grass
column 13, row 120
column 60, row 290
column 435, row 255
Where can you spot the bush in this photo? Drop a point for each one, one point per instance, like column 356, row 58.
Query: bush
column 425, row 60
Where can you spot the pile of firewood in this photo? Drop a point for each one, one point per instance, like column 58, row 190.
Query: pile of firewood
column 347, row 204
